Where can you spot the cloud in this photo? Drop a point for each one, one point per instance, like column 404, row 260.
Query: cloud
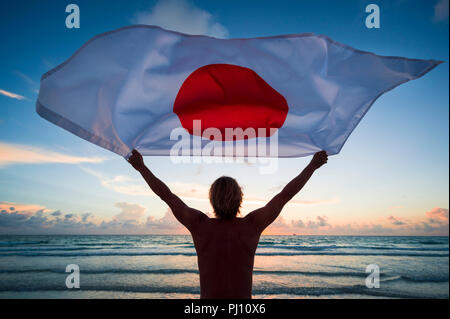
column 131, row 186
column 12, row 95
column 282, row 226
column 25, row 209
column 24, row 154
column 434, row 222
column 16, row 218
column 33, row 219
column 437, row 221
column 187, row 191
column 395, row 221
column 120, row 183
column 323, row 227
column 168, row 223
column 441, row 11
column 438, row 215
column 181, row 16
column 130, row 211
column 322, row 221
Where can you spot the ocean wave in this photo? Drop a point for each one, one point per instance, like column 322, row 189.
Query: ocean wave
column 432, row 242
column 169, row 271
column 105, row 244
column 426, row 279
column 75, row 248
column 320, row 248
column 323, row 249
column 266, row 290
column 103, row 271
column 45, row 248
column 182, row 271
column 193, row 253
column 16, row 243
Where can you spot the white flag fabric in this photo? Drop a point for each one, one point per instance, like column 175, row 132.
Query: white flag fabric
column 130, row 88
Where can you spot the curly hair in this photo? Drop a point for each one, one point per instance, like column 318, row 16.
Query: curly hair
column 225, row 196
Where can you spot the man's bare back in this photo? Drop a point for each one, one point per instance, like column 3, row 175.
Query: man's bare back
column 226, row 251
column 226, row 247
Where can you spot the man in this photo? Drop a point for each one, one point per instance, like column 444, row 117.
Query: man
column 226, row 244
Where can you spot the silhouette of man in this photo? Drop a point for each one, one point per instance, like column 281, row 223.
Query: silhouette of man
column 226, row 244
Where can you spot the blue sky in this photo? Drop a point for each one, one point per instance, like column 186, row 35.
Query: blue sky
column 391, row 176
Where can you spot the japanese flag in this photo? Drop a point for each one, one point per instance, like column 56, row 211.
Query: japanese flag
column 148, row 88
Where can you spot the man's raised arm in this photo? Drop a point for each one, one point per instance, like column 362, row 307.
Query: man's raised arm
column 183, row 213
column 264, row 216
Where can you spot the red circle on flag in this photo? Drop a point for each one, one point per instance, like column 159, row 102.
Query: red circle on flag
column 225, row 96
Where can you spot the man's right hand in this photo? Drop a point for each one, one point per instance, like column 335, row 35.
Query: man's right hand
column 319, row 159
column 136, row 160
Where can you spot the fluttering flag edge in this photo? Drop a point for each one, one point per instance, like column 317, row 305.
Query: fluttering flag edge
column 431, row 67
column 70, row 126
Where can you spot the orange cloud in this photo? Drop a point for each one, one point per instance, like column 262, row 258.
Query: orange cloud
column 36, row 219
column 15, row 153
column 434, row 222
column 27, row 209
column 439, row 214
column 130, row 211
column 12, row 95
column 18, row 218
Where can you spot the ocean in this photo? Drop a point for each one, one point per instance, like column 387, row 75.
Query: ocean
column 165, row 266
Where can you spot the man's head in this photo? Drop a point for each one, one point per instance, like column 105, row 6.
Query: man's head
column 225, row 196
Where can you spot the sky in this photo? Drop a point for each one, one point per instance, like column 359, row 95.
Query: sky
column 390, row 178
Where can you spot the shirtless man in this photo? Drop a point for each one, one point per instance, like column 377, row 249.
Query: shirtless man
column 226, row 244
